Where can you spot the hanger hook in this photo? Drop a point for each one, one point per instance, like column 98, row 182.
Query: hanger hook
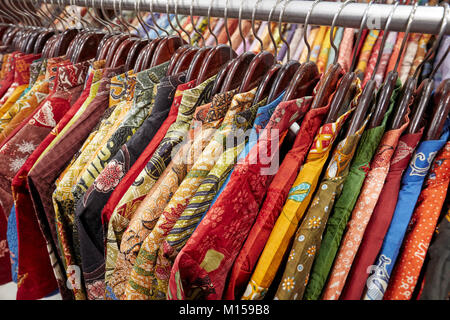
column 120, row 23
column 383, row 40
column 240, row 27
column 178, row 22
column 98, row 19
column 170, row 22
column 405, row 38
column 437, row 41
column 305, row 27
column 209, row 23
column 226, row 25
column 191, row 11
column 255, row 33
column 341, row 7
column 361, row 27
column 63, row 13
column 102, row 8
column 80, row 18
column 270, row 29
column 44, row 15
column 288, row 47
column 154, row 20
column 125, row 22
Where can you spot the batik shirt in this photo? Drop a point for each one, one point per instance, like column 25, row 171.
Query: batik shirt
column 345, row 203
column 201, row 268
column 127, row 206
column 420, row 229
column 309, row 234
column 273, row 203
column 64, row 92
column 261, row 120
column 186, row 223
column 380, row 219
column 293, row 210
column 411, row 185
column 191, row 99
column 117, row 224
column 138, row 282
column 94, row 123
column 361, row 213
column 199, row 204
column 88, row 219
column 37, row 276
column 25, row 105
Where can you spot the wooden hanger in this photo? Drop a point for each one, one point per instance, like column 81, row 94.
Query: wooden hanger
column 213, row 62
column 284, row 77
column 237, row 71
column 176, row 57
column 184, row 60
column 165, row 49
column 221, row 75
column 259, row 66
column 384, row 98
column 266, row 83
column 440, row 111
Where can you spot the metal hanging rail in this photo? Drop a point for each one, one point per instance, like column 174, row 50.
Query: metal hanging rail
column 427, row 19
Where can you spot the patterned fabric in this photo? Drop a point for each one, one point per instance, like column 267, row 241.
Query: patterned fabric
column 324, row 51
column 140, row 284
column 66, row 90
column 436, row 276
column 210, row 117
column 345, row 203
column 317, row 44
column 420, row 229
column 199, row 204
column 311, row 37
column 381, row 217
column 309, row 234
column 345, row 49
column 366, row 50
column 88, row 216
column 201, row 268
column 21, row 78
column 8, row 75
column 112, row 244
column 420, row 54
column 23, row 108
column 52, row 160
column 363, row 210
column 146, row 179
column 261, row 120
column 37, row 276
column 275, row 198
column 373, row 59
column 391, row 39
column 297, row 202
column 411, row 185
column 409, row 56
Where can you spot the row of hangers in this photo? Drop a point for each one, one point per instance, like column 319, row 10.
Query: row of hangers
column 243, row 72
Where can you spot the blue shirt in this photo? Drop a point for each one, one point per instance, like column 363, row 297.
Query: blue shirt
column 412, row 182
column 13, row 244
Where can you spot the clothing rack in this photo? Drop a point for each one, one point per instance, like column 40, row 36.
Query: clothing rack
column 427, row 19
